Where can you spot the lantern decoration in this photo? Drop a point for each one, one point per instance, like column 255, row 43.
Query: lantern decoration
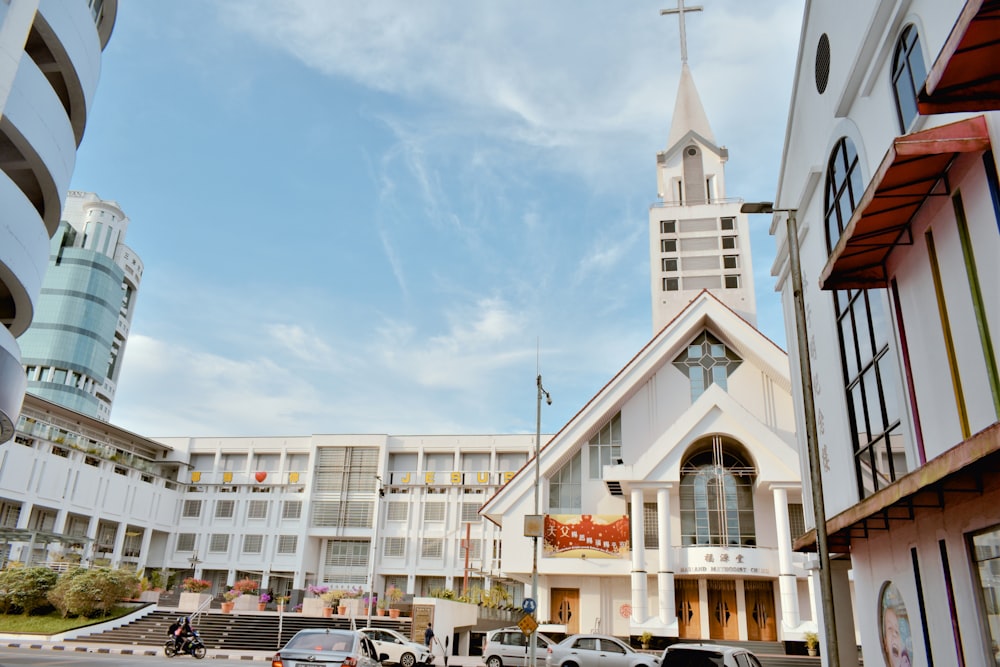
column 196, row 476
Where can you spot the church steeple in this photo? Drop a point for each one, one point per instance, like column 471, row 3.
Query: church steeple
column 698, row 238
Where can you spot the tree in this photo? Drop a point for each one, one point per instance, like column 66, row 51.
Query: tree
column 93, row 592
column 25, row 589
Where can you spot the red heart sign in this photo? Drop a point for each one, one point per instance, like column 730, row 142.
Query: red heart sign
column 261, row 476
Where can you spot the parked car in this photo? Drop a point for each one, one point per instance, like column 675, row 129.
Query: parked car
column 317, row 647
column 509, row 648
column 401, row 651
column 708, row 655
column 597, row 651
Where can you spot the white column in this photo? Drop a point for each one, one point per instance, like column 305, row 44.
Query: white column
column 665, row 575
column 786, row 575
column 640, row 598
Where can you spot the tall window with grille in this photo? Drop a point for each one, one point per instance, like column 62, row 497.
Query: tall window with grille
column 908, row 74
column 872, row 384
column 716, row 495
column 346, row 561
column 345, row 487
column 566, row 488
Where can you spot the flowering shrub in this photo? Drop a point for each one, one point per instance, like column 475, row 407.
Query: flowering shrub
column 231, row 594
column 316, row 590
column 248, row 586
column 352, row 592
column 192, row 585
column 265, row 598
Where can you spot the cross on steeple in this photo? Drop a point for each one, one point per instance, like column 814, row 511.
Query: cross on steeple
column 680, row 11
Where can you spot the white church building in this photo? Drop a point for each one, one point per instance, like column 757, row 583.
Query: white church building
column 669, row 503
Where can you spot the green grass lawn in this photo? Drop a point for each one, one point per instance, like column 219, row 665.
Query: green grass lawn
column 50, row 624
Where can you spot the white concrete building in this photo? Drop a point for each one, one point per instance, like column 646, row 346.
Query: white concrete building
column 890, row 172
column 50, row 59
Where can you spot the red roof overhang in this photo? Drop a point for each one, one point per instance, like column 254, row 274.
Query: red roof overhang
column 966, row 74
column 966, row 470
column 910, row 172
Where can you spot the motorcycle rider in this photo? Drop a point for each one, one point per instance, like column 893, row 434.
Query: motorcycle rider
column 181, row 632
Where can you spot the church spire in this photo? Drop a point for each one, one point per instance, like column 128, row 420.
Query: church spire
column 689, row 114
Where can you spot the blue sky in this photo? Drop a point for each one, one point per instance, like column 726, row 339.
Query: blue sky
column 378, row 217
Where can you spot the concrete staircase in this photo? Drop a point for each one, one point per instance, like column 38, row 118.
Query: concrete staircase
column 253, row 632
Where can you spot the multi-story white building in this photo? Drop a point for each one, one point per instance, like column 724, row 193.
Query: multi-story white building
column 72, row 353
column 288, row 512
column 50, row 59
column 890, row 172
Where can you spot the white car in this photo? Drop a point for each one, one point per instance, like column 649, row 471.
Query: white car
column 401, row 651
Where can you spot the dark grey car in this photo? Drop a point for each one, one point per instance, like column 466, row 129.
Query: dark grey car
column 324, row 647
column 708, row 655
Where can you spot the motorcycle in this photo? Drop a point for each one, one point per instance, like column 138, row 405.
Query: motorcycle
column 192, row 645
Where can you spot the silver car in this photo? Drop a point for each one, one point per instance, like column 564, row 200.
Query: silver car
column 708, row 655
column 597, row 651
column 509, row 648
column 324, row 647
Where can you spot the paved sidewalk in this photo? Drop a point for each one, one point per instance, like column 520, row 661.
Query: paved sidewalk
column 213, row 654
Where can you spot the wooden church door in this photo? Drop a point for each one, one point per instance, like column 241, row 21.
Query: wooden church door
column 723, row 619
column 761, row 625
column 688, row 611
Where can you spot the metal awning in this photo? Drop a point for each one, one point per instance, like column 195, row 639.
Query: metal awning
column 913, row 169
column 966, row 74
column 967, row 468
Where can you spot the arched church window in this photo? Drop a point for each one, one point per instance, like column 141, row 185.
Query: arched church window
column 716, row 494
column 605, row 447
column 566, row 488
column 908, row 75
column 843, row 190
column 705, row 361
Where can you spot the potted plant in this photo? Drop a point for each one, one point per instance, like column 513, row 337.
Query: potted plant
column 330, row 598
column 394, row 595
column 192, row 585
column 380, row 606
column 811, row 639
column 281, row 601
column 230, row 597
column 262, row 602
column 246, row 586
column 645, row 638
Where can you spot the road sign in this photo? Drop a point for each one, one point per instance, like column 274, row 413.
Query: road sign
column 528, row 605
column 528, row 624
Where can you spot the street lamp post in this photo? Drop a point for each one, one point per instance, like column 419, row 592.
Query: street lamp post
column 373, row 548
column 537, row 528
column 809, row 409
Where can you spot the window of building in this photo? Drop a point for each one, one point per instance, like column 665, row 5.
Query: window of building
column 707, row 361
column 434, row 511
column 253, row 544
column 291, row 509
column 397, row 510
column 870, row 381
column 346, row 469
column 671, row 284
column 668, row 226
column 727, row 224
column 218, row 543
column 730, row 261
column 796, row 520
column 224, row 509
column 843, row 190
column 335, row 513
column 984, row 548
column 668, row 245
column 185, row 542
column 732, row 281
column 257, row 509
column 650, row 525
column 908, row 75
column 475, row 549
column 669, row 263
column 432, row 547
column 716, row 496
column 470, row 512
column 346, row 561
column 728, row 242
column 287, row 544
column 192, row 509
column 605, row 448
column 394, row 547
column 566, row 487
